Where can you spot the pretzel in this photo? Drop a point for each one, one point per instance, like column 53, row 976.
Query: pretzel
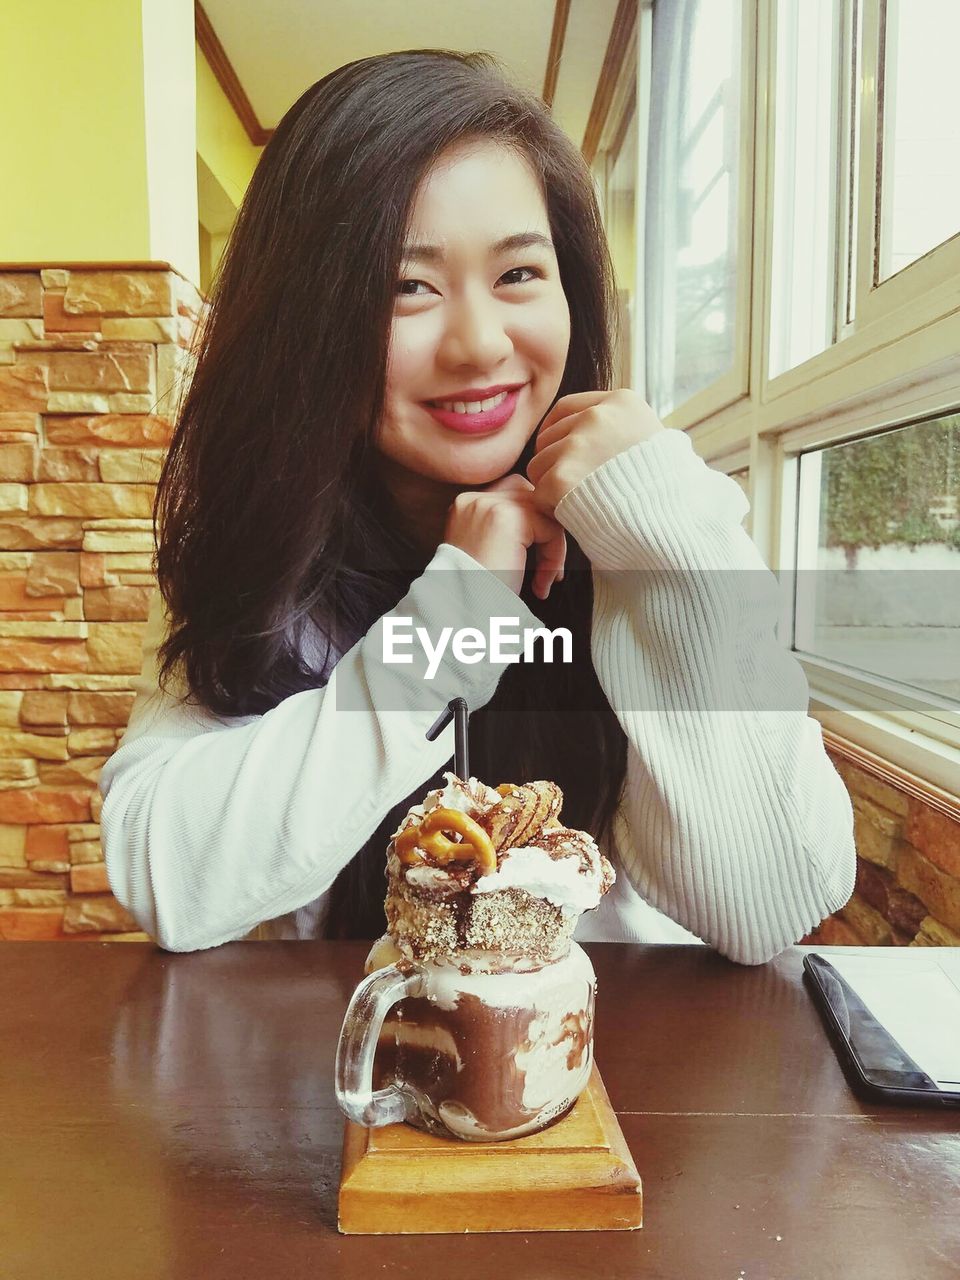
column 431, row 837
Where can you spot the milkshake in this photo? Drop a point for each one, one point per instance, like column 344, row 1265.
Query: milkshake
column 493, row 1038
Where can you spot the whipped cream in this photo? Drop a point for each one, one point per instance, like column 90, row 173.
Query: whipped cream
column 575, row 881
column 427, row 877
column 562, row 881
column 467, row 797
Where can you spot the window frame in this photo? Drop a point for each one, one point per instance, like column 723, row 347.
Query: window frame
column 733, row 385
column 895, row 359
column 915, row 283
column 626, row 101
column 919, row 296
column 843, row 128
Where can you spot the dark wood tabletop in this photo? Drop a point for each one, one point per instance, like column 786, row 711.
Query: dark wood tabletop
column 174, row 1116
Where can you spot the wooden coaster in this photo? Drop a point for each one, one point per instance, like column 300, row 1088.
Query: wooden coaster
column 577, row 1175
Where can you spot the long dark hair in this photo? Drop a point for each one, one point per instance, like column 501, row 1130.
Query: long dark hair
column 270, row 518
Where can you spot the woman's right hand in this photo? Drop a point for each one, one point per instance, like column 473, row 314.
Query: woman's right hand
column 497, row 526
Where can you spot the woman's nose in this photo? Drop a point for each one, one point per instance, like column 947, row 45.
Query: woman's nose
column 475, row 334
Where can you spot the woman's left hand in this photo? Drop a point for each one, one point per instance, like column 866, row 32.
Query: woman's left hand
column 580, row 433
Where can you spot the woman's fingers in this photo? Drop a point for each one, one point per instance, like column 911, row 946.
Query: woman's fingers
column 547, row 539
column 550, row 550
column 511, row 483
column 554, row 425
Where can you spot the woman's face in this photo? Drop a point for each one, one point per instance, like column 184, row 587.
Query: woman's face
column 477, row 321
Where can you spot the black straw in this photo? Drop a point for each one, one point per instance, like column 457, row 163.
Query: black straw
column 455, row 710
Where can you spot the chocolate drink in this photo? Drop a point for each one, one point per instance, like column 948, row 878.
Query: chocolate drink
column 492, row 1054
column 491, row 1035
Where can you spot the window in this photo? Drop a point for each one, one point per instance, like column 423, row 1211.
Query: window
column 878, row 549
column 692, row 198
column 799, row 202
column 806, row 181
column 920, row 176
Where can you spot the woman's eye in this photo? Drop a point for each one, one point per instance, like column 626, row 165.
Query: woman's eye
column 408, row 293
column 534, row 274
column 410, row 288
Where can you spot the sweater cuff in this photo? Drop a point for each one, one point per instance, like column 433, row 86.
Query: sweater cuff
column 636, row 509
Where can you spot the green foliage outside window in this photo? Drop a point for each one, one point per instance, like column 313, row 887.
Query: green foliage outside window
column 887, row 489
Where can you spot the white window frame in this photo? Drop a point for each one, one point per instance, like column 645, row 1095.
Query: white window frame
column 882, row 314
column 820, row 187
column 733, row 386
column 896, row 359
column 925, row 282
column 608, row 153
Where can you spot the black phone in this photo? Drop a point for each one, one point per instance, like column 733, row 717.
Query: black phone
column 879, row 1064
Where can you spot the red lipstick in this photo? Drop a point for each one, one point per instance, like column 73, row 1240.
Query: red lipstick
column 486, row 419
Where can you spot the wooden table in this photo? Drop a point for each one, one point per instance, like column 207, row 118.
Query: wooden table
column 173, row 1116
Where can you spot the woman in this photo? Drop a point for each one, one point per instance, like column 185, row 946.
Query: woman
column 418, row 281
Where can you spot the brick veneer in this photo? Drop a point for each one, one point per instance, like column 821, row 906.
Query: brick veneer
column 90, row 359
column 908, row 870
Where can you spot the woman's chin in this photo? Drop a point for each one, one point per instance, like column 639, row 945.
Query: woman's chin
column 477, row 477
column 475, row 467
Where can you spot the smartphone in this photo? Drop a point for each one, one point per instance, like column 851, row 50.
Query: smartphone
column 879, row 1065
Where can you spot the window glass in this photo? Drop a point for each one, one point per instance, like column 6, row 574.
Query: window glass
column 805, row 193
column 920, row 181
column 878, row 582
column 692, row 198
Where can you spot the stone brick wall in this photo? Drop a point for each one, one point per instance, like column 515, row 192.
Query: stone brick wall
column 908, row 870
column 90, row 363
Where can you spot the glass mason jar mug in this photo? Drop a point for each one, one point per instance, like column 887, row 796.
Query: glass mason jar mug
column 470, row 1047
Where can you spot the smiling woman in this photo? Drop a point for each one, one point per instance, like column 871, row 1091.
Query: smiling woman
column 491, row 301
column 416, row 228
column 413, row 324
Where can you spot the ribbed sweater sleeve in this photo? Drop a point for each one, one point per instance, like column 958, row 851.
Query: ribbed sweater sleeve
column 211, row 825
column 733, row 820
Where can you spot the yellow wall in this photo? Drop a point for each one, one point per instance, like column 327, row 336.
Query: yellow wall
column 226, row 159
column 99, row 149
column 119, row 139
column 72, row 104
column 222, row 142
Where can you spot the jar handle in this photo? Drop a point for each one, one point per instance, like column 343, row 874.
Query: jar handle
column 357, row 1049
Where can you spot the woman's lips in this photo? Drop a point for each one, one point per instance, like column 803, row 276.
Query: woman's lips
column 476, row 423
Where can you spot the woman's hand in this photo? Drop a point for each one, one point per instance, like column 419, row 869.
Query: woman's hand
column 580, row 433
column 498, row 524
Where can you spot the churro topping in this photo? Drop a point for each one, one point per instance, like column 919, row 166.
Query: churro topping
column 467, row 841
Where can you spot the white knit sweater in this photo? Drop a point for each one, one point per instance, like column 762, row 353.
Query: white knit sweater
column 733, row 826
